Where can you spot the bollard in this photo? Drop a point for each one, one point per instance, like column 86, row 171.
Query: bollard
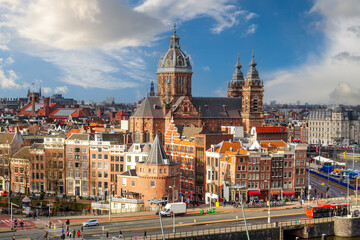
column 323, row 236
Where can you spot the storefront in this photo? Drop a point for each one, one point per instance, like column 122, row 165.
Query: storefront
column 254, row 195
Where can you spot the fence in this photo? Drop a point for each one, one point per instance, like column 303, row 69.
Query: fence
column 214, row 231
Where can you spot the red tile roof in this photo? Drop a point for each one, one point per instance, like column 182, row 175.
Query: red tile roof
column 270, row 129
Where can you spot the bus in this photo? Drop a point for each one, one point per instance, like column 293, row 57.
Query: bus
column 327, row 210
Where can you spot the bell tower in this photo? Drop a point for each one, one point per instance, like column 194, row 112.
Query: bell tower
column 252, row 98
column 237, row 82
column 174, row 72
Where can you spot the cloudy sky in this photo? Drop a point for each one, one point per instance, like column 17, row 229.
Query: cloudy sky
column 306, row 50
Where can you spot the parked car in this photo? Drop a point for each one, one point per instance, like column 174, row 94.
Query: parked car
column 91, row 222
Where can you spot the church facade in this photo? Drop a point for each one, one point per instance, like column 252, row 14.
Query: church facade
column 174, row 100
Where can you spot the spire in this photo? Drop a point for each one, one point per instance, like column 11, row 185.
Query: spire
column 252, row 73
column 174, row 40
column 238, row 75
column 152, row 90
column 157, row 155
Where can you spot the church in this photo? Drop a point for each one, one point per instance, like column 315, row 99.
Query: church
column 174, row 100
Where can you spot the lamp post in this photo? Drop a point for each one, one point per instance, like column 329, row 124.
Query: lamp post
column 11, row 212
column 159, row 202
column 269, row 218
column 238, row 187
column 173, row 199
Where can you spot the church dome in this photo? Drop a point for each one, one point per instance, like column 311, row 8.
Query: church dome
column 174, row 60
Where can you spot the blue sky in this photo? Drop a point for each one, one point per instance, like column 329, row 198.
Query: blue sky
column 91, row 49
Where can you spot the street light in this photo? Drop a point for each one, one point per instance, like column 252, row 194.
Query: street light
column 159, row 202
column 173, row 199
column 238, row 187
column 269, row 219
column 12, row 222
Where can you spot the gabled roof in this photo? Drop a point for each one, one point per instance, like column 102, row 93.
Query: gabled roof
column 157, row 155
column 121, row 113
column 188, row 132
column 270, row 129
column 23, row 153
column 218, row 107
column 150, row 107
column 226, row 146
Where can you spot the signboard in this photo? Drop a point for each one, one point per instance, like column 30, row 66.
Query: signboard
column 217, row 204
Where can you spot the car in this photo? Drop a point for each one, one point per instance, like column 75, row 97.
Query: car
column 91, row 222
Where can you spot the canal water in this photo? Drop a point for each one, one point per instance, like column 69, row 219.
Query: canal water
column 337, row 238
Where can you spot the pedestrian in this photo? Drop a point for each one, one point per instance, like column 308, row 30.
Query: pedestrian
column 73, row 233
column 13, row 236
column 78, row 233
column 145, row 234
column 63, row 236
column 46, row 235
column 15, row 223
column 68, row 222
column 94, row 212
column 82, row 228
column 107, row 235
column 70, row 235
column 62, row 230
column 67, row 233
column 50, row 225
column 120, row 234
column 22, row 224
column 89, row 209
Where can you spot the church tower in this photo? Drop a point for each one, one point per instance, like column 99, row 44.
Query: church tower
column 174, row 72
column 237, row 82
column 252, row 98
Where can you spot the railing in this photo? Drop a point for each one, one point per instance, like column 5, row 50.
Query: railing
column 213, row 231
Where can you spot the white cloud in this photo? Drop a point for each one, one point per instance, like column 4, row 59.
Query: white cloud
column 9, row 61
column 327, row 77
column 251, row 29
column 224, row 12
column 206, row 69
column 46, row 90
column 93, row 42
column 63, row 89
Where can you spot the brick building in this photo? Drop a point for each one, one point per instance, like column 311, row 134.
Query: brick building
column 174, row 100
column 157, row 177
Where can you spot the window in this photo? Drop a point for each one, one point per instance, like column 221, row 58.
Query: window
column 93, row 164
column 124, row 181
column 70, row 149
column 99, row 174
column 84, row 175
column 77, row 165
column 99, row 156
column 121, row 159
column 84, row 150
column 77, row 150
column 290, row 174
column 106, row 165
column 106, row 157
column 129, row 158
column 84, row 165
column 117, row 158
column 133, row 183
column 99, row 165
column 106, row 174
column 136, row 158
column 152, row 184
column 84, row 157
column 93, row 174
column 70, row 173
column 93, row 156
column 77, row 173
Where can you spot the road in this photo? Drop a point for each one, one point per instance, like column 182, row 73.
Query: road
column 183, row 223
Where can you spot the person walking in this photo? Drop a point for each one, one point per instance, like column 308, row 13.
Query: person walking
column 145, row 234
column 63, row 236
column 74, row 233
column 120, row 234
column 107, row 235
column 46, row 235
column 78, row 233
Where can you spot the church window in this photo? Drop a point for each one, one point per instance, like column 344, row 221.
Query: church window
column 185, row 109
column 137, row 137
column 255, row 106
column 146, row 137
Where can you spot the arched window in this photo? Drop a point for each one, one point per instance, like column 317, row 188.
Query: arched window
column 137, row 137
column 146, row 137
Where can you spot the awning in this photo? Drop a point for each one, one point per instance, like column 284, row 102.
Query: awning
column 288, row 193
column 254, row 193
column 275, row 192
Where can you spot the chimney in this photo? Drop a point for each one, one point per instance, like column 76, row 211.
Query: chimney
column 46, row 106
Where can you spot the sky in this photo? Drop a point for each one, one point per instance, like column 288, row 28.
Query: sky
column 306, row 50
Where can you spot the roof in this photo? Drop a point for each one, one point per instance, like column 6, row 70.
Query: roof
column 188, row 132
column 157, row 155
column 76, row 136
column 121, row 113
column 6, row 138
column 145, row 147
column 117, row 138
column 131, row 172
column 272, row 143
column 74, row 130
column 150, row 107
column 37, row 146
column 218, row 107
column 23, row 153
column 270, row 129
column 226, row 146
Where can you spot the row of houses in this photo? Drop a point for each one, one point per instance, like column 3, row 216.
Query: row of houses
column 189, row 165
